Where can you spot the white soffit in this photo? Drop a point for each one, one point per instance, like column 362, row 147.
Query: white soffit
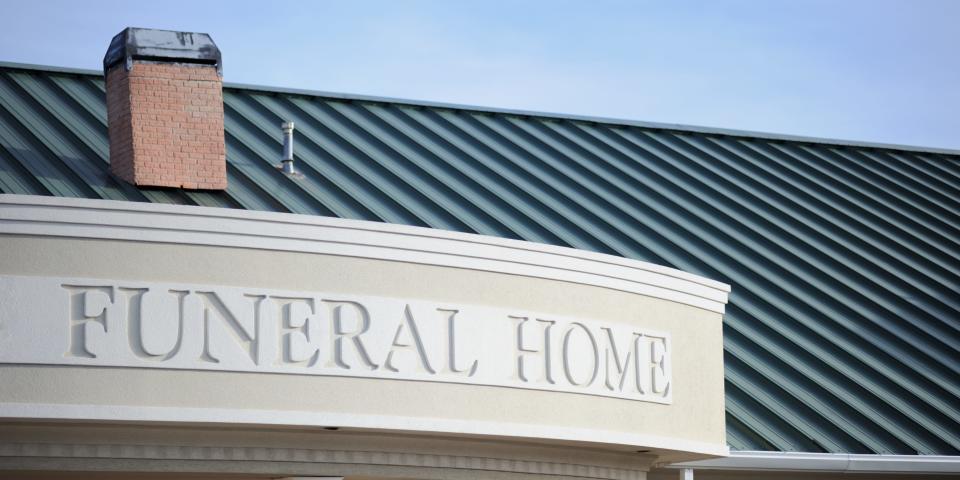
column 191, row 225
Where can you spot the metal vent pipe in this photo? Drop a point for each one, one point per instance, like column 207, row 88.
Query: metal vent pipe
column 287, row 164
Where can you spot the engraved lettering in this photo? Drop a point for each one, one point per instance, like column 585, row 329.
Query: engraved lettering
column 152, row 333
column 88, row 308
column 524, row 351
column 226, row 328
column 409, row 323
column 615, row 377
column 340, row 332
column 568, row 366
column 659, row 366
column 243, row 330
column 297, row 342
column 451, row 348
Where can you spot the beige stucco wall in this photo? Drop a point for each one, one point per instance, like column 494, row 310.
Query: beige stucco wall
column 695, row 415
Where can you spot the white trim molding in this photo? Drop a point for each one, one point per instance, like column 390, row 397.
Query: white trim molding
column 828, row 462
column 191, row 225
column 315, row 456
column 288, row 418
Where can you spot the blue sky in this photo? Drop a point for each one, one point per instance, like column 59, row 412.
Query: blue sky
column 877, row 70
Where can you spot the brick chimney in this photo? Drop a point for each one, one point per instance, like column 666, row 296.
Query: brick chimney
column 165, row 109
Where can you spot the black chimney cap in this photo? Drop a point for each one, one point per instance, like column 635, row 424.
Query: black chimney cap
column 161, row 45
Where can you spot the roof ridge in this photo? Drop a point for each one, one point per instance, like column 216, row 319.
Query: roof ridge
column 676, row 127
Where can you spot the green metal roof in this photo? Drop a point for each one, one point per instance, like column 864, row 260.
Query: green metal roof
column 843, row 329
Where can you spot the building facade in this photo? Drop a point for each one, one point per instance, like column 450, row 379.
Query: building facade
column 416, row 290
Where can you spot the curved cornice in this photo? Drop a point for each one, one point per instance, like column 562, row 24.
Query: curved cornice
column 191, row 225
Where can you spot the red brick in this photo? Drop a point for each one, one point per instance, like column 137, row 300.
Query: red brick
column 166, row 125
